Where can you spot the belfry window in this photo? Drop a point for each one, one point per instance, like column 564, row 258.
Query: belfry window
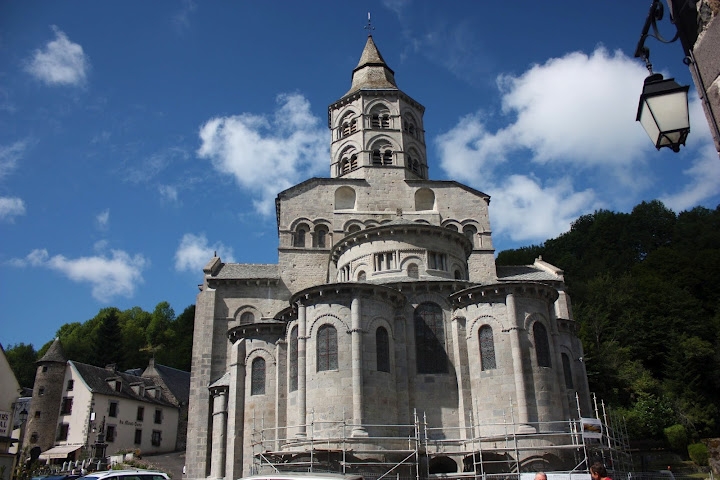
column 542, row 346
column 430, row 339
column 487, row 348
column 327, row 349
column 257, row 377
column 293, row 359
column 382, row 344
column 387, row 157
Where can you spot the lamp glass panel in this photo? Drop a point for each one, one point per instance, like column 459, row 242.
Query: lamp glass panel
column 648, row 123
column 670, row 110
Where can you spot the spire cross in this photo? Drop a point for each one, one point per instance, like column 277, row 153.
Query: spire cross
column 369, row 26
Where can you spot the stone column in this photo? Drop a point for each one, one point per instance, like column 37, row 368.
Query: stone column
column 357, row 367
column 302, row 371
column 236, row 412
column 219, row 419
column 520, row 391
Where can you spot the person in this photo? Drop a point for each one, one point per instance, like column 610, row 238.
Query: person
column 540, row 476
column 598, row 472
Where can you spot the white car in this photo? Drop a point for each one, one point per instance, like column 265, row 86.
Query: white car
column 126, row 475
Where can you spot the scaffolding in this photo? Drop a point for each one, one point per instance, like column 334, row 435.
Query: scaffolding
column 489, row 451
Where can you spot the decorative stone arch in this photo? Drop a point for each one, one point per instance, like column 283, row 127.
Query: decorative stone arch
column 321, row 234
column 423, row 221
column 348, row 158
column 410, row 260
column 458, row 270
column 413, row 161
column 474, row 326
column 380, row 322
column 259, row 352
column 345, row 122
column 345, row 198
column 371, row 223
column 353, row 226
column 382, row 151
column 453, row 225
column 335, row 320
column 470, row 230
column 243, row 310
column 424, row 199
column 380, row 103
column 359, row 268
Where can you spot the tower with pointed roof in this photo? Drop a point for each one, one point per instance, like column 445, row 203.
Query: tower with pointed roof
column 385, row 311
column 47, row 395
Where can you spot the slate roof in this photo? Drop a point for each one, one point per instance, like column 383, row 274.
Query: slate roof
column 55, row 353
column 248, row 271
column 177, row 381
column 372, row 72
column 96, row 379
column 524, row 273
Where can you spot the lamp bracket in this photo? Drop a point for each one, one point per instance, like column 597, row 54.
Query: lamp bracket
column 655, row 14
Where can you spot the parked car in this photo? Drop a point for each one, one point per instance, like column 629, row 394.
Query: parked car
column 126, row 475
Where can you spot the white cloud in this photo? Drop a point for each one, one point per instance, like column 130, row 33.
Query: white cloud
column 570, row 123
column 117, row 275
column 266, row 154
column 11, row 207
column 103, row 219
column 524, row 210
column 194, row 253
column 61, row 62
column 704, row 174
column 9, row 156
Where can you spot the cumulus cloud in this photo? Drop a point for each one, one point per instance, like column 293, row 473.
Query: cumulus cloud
column 267, row 154
column 569, row 121
column 11, row 207
column 61, row 62
column 194, row 252
column 109, row 276
column 103, row 219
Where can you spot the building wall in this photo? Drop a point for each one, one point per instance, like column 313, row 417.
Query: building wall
column 707, row 74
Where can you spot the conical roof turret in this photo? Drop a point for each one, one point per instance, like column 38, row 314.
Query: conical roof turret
column 55, row 353
column 372, row 72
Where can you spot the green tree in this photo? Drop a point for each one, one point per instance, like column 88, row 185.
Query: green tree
column 22, row 358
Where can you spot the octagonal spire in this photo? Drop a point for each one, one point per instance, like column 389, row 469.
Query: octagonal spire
column 372, row 72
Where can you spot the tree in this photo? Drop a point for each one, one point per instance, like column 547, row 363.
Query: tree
column 22, row 360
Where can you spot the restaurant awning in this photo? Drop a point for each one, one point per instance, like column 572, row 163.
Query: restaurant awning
column 61, row 451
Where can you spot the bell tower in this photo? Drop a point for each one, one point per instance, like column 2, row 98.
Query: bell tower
column 375, row 125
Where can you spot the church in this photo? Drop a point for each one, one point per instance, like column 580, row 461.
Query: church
column 385, row 339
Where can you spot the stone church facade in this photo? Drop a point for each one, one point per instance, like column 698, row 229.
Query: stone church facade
column 385, row 310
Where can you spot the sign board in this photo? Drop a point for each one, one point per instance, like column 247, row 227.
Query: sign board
column 591, row 428
column 5, row 427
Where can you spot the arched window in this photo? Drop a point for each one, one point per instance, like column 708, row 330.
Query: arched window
column 247, row 317
column 257, row 377
column 487, row 348
column 470, row 232
column 542, row 346
column 361, row 276
column 327, row 350
column 567, row 370
column 380, row 117
column 376, row 157
column 387, row 157
column 321, row 233
column 458, row 275
column 293, row 354
column 382, row 344
column 354, row 228
column 300, row 233
column 430, row 339
column 412, row 271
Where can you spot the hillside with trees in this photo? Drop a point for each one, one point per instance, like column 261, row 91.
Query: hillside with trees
column 646, row 295
column 128, row 338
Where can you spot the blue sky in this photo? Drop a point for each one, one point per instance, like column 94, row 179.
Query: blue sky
column 136, row 138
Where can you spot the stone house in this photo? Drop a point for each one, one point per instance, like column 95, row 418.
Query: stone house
column 384, row 320
column 73, row 404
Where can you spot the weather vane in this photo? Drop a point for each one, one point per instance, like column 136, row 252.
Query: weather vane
column 369, row 26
